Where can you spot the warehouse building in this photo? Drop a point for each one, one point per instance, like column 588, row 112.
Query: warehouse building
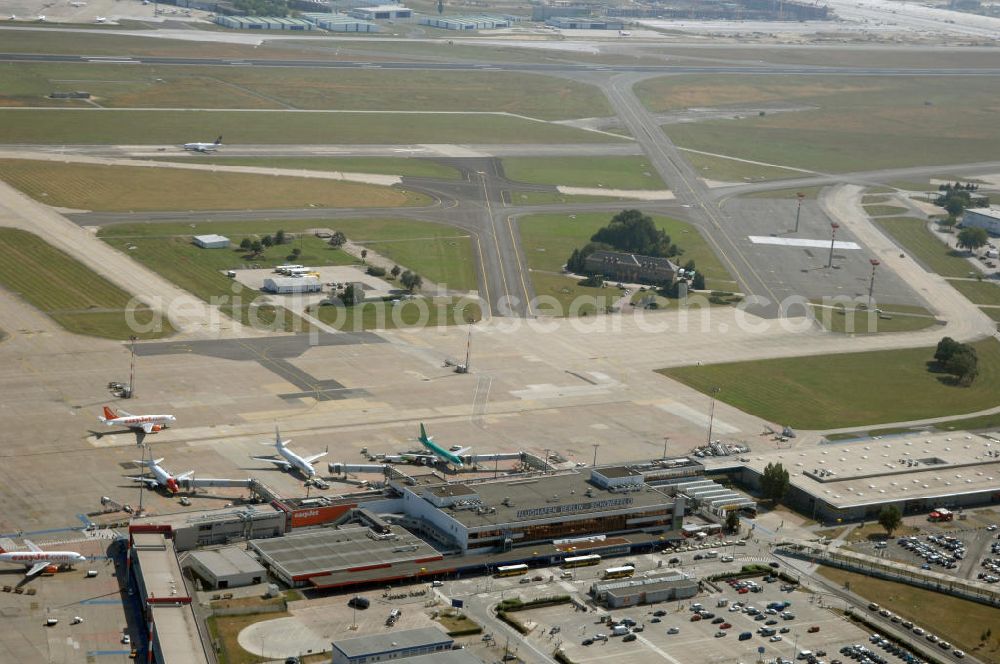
column 298, row 558
column 987, row 218
column 339, row 23
column 473, row 22
column 264, row 23
column 174, row 635
column 583, row 23
column 288, row 285
column 633, row 268
column 381, row 12
column 230, row 567
column 665, row 587
column 212, row 241
column 404, row 644
column 190, row 530
column 916, row 472
column 477, row 517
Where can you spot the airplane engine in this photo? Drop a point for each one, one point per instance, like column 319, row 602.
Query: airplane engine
column 155, row 428
column 51, row 569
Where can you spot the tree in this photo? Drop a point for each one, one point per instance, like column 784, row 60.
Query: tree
column 395, row 271
column 964, row 365
column 954, row 206
column 635, row 232
column 732, row 521
column 296, row 252
column 890, row 519
column 698, row 282
column 353, row 294
column 364, row 255
column 338, row 239
column 440, row 6
column 279, row 237
column 774, row 482
column 267, row 241
column 245, row 244
column 375, row 271
column 945, row 350
column 411, row 280
column 972, row 238
column 256, row 247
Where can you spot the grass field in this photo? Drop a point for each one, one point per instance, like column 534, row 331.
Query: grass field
column 959, row 621
column 733, row 170
column 121, row 188
column 811, row 193
column 555, row 198
column 860, row 321
column 914, row 237
column 978, row 292
column 571, row 299
column 608, row 172
column 141, row 127
column 418, row 313
column 872, row 199
column 445, row 260
column 883, row 210
column 992, row 312
column 861, row 123
column 532, row 95
column 853, row 389
column 419, row 168
column 79, row 300
column 548, row 240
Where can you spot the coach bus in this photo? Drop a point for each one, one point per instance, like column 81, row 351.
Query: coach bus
column 511, row 570
column 581, row 561
column 618, row 572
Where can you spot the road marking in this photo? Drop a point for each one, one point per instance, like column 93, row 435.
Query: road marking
column 486, row 280
column 659, row 651
column 496, row 242
column 520, row 267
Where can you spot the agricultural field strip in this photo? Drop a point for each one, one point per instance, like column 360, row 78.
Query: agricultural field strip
column 363, row 178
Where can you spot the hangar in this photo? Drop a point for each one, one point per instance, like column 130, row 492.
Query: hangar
column 288, row 285
column 212, row 241
column 229, row 567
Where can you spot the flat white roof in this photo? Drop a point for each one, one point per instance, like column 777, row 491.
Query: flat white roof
column 211, row 238
column 992, row 211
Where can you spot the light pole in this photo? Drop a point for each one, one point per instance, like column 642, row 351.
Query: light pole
column 142, row 471
column 871, row 285
column 711, row 414
column 798, row 210
column 596, row 445
column 665, row 440
column 833, row 240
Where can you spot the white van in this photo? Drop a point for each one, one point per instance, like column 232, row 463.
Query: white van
column 712, row 554
column 804, row 654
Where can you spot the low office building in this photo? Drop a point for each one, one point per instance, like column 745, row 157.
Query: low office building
column 501, row 515
column 230, row 567
column 987, row 218
column 212, row 241
column 634, row 268
column 190, row 530
column 651, row 589
column 393, row 645
column 290, row 285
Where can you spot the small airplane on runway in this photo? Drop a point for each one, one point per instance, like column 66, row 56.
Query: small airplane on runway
column 37, row 560
column 453, row 456
column 204, row 147
column 288, row 459
column 161, row 476
column 143, row 423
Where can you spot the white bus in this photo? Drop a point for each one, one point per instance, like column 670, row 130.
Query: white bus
column 619, row 572
column 511, row 570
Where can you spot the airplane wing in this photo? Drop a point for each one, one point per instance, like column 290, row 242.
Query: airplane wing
column 37, row 567
column 184, row 477
column 150, row 482
column 281, row 463
column 32, row 546
column 312, row 459
column 147, row 427
column 461, row 451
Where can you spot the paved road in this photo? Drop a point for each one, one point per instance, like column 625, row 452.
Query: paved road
column 503, row 66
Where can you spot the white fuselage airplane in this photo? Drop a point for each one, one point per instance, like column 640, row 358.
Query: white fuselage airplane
column 161, row 477
column 144, row 423
column 37, row 560
column 204, row 147
column 290, row 459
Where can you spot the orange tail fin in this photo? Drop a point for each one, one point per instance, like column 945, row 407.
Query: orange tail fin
column 109, row 414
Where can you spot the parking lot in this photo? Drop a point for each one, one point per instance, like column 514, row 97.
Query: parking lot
column 971, row 553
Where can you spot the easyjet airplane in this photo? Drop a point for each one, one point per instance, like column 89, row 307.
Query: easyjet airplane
column 144, row 423
column 37, row 560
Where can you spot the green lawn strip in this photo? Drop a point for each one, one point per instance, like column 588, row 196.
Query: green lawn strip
column 722, row 169
column 959, row 621
column 608, row 172
column 417, row 313
column 123, row 188
column 74, row 296
column 559, row 295
column 811, row 193
column 96, row 126
column 549, row 239
column 555, row 198
column 445, row 261
column 883, row 210
column 978, row 292
column 873, row 199
column 405, row 167
column 859, row 123
column 915, row 238
column 853, row 389
column 992, row 312
column 971, row 423
column 861, row 321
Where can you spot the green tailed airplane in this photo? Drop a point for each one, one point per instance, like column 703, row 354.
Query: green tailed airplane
column 454, row 458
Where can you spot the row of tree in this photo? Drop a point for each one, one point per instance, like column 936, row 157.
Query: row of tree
column 954, row 199
column 629, row 231
column 958, row 359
